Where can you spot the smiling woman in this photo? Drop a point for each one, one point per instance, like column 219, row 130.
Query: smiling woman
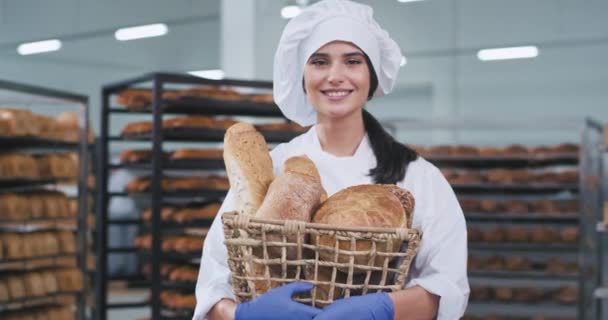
column 331, row 59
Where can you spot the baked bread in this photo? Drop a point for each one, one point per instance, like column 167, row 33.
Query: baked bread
column 4, row 294
column 13, row 207
column 489, row 152
column 465, row 151
column 196, row 122
column 137, row 128
column 248, row 166
column 518, row 263
column 503, row 294
column 134, row 99
column 19, row 122
column 68, row 125
column 569, row 235
column 15, row 165
column 515, row 150
column 380, row 206
column 197, row 154
column 262, row 98
column 135, row 156
column 16, row 287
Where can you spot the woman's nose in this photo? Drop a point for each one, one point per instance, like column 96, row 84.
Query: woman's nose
column 335, row 74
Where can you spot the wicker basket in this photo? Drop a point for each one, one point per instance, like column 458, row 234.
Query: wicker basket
column 261, row 256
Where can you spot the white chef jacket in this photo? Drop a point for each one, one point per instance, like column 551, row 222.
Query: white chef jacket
column 439, row 267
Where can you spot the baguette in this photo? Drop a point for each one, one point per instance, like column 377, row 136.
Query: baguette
column 248, row 165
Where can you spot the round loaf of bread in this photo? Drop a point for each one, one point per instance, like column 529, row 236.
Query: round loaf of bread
column 378, row 206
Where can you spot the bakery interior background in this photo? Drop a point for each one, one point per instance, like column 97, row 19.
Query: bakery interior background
column 443, row 77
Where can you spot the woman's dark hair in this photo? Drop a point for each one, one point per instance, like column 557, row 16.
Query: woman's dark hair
column 392, row 157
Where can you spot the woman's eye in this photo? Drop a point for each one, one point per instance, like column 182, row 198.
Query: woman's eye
column 353, row 61
column 318, row 62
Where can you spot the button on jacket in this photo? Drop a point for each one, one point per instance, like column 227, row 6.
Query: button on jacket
column 440, row 265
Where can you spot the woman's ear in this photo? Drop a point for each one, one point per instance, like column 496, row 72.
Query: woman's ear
column 303, row 86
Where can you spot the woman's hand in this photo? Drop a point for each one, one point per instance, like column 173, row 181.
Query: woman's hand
column 373, row 306
column 278, row 304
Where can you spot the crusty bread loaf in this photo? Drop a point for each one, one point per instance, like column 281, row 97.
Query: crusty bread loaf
column 364, row 206
column 248, row 165
column 295, row 194
column 135, row 156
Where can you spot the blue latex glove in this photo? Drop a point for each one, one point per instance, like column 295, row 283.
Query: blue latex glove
column 373, row 306
column 277, row 304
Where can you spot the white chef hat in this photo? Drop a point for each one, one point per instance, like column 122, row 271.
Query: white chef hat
column 317, row 25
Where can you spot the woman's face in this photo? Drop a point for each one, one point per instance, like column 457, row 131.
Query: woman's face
column 337, row 80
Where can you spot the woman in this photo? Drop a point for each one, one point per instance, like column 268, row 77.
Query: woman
column 331, row 59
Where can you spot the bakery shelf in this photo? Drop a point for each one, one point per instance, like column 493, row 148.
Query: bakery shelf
column 510, row 162
column 12, row 143
column 172, row 256
column 124, row 222
column 528, row 274
column 203, row 135
column 523, row 217
column 532, row 188
column 31, row 302
column 127, row 305
column 6, row 182
column 523, row 246
column 186, row 164
column 190, row 224
column 186, row 194
column 209, row 106
column 34, row 263
column 63, row 223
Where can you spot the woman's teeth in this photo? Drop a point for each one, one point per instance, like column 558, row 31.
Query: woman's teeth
column 337, row 93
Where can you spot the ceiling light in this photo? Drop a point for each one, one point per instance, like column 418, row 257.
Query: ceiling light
column 403, row 61
column 404, row 1
column 215, row 74
column 288, row 12
column 507, row 53
column 139, row 32
column 39, row 47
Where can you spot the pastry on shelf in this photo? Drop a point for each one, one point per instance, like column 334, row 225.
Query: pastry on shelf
column 516, row 206
column 474, row 234
column 495, row 234
column 198, row 122
column 481, row 293
column 542, row 234
column 540, row 151
column 528, row 294
column 545, row 206
column 517, row 234
column 440, row 150
column 195, row 213
column 134, row 99
column 488, row 205
column 515, row 150
column 262, row 98
column 137, row 128
column 565, row 148
column 17, row 165
column 566, row 295
column 518, row 263
column 136, row 156
column 281, row 126
column 555, row 265
column 503, row 294
column 465, row 151
column 468, row 177
column 494, row 263
column 489, row 152
column 569, row 234
column 18, row 122
column 569, row 177
column 469, row 205
column 213, row 154
column 475, row 263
